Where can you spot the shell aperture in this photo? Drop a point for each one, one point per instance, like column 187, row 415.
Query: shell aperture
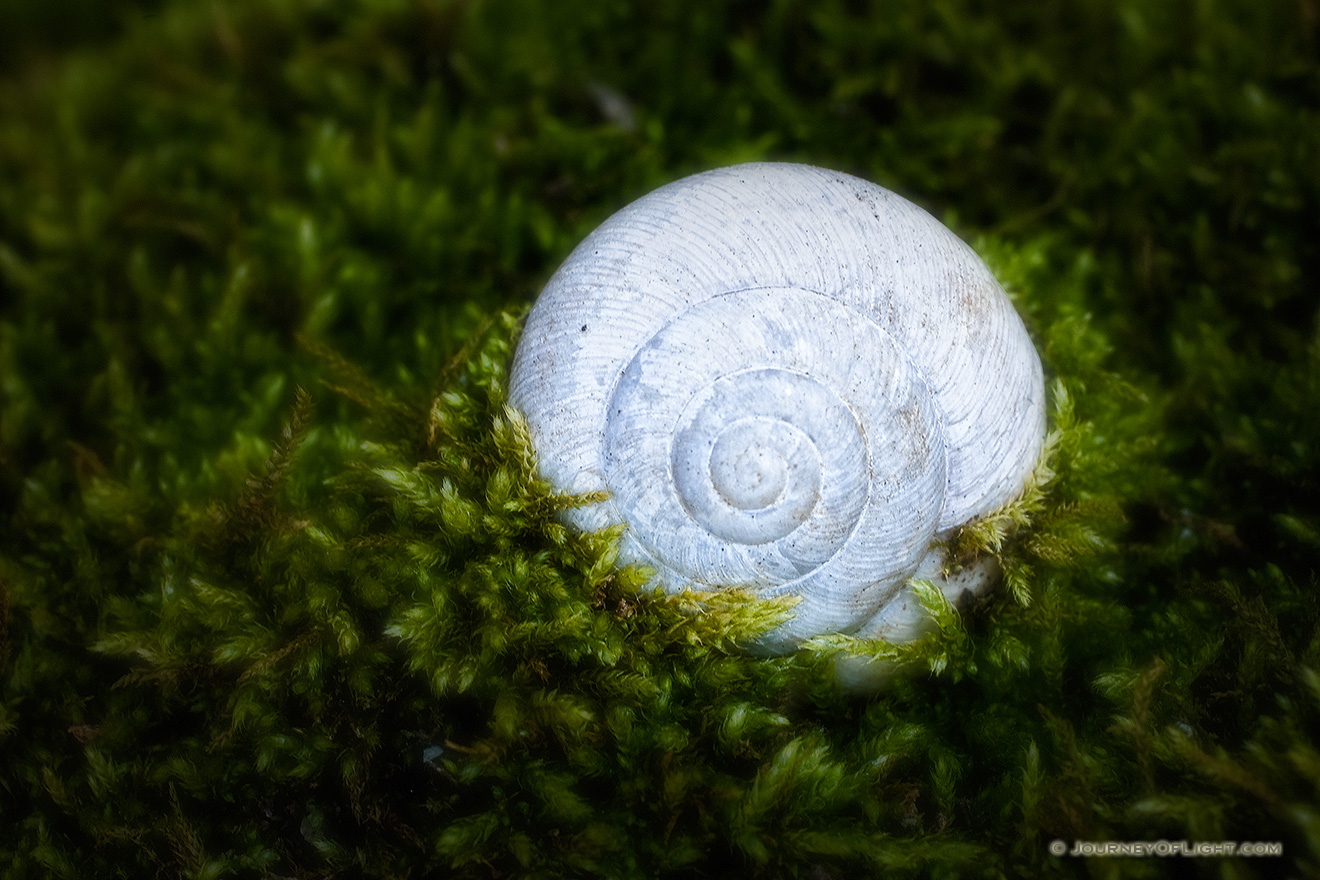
column 786, row 378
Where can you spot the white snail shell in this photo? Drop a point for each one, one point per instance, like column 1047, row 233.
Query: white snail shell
column 788, row 379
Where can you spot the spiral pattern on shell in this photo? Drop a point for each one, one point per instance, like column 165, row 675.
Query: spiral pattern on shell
column 786, row 378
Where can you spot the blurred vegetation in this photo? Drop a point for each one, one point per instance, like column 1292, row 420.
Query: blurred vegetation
column 280, row 594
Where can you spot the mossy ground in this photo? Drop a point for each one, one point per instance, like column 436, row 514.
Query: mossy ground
column 280, row 594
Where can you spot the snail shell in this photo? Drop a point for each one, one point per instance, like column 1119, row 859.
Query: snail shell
column 788, row 379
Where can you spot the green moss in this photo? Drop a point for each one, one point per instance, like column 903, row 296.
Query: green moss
column 280, row 592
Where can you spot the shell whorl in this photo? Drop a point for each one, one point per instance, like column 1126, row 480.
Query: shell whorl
column 785, row 378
